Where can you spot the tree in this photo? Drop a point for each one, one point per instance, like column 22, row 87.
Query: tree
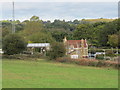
column 96, row 35
column 41, row 37
column 76, row 22
column 57, row 50
column 83, row 31
column 60, row 24
column 6, row 28
column 31, row 27
column 5, row 32
column 19, row 27
column 34, row 18
column 59, row 35
column 13, row 44
column 108, row 29
column 113, row 40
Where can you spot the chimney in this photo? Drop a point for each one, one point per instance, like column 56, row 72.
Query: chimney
column 82, row 43
column 64, row 40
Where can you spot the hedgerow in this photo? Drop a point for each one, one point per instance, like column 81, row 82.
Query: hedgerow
column 89, row 62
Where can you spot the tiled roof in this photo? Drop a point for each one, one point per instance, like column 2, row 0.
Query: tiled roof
column 77, row 43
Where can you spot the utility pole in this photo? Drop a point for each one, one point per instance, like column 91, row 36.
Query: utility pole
column 104, row 54
column 13, row 21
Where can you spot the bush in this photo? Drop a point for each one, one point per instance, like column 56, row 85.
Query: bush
column 87, row 62
column 64, row 60
column 92, row 51
column 110, row 53
column 100, row 63
column 13, row 44
column 93, row 63
column 112, row 64
column 23, row 56
column 101, row 57
column 36, row 55
column 15, row 56
column 57, row 50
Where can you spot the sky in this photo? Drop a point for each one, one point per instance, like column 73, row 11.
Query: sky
column 59, row 0
column 60, row 10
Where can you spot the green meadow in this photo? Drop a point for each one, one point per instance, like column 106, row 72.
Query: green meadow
column 48, row 74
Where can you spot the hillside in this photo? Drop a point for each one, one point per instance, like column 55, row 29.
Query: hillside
column 98, row 20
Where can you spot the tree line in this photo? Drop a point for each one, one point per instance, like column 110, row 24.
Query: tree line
column 98, row 34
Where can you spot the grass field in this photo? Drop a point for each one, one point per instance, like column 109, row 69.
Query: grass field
column 44, row 74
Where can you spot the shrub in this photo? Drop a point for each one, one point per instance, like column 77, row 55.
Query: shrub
column 88, row 62
column 110, row 53
column 15, row 56
column 57, row 50
column 112, row 64
column 100, row 63
column 36, row 55
column 92, row 51
column 83, row 62
column 64, row 59
column 13, row 44
column 93, row 63
column 101, row 57
column 23, row 56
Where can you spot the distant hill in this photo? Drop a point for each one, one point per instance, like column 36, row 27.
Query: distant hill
column 97, row 20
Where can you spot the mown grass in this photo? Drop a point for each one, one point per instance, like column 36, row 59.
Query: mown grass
column 44, row 74
column 0, row 73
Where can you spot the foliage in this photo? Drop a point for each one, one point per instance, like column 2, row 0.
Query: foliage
column 32, row 27
column 23, row 56
column 64, row 60
column 101, row 57
column 34, row 18
column 59, row 34
column 83, row 31
column 57, row 50
column 19, row 27
column 60, row 24
column 6, row 28
column 110, row 53
column 13, row 44
column 92, row 62
column 98, row 32
column 109, row 29
column 41, row 37
column 113, row 40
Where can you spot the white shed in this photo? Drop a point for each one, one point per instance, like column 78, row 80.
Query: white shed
column 39, row 45
column 43, row 47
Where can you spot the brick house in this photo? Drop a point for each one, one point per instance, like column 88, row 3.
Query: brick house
column 76, row 48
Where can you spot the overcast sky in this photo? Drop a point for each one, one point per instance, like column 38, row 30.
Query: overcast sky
column 60, row 10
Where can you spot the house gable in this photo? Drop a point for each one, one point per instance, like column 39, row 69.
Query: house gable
column 76, row 47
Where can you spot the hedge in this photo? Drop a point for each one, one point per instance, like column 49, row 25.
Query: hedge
column 90, row 62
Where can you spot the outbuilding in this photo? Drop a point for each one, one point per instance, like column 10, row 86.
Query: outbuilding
column 40, row 47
